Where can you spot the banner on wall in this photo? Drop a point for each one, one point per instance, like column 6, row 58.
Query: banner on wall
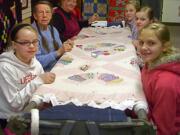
column 116, row 10
column 110, row 10
column 91, row 7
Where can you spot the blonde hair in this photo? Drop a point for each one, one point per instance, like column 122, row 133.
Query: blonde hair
column 135, row 3
column 163, row 34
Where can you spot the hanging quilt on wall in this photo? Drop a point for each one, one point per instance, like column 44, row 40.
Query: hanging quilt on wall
column 91, row 7
column 8, row 17
column 116, row 10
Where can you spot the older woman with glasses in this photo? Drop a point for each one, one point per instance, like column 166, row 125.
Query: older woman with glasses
column 20, row 72
column 50, row 45
column 66, row 22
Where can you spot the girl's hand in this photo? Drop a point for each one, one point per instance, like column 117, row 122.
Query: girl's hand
column 48, row 77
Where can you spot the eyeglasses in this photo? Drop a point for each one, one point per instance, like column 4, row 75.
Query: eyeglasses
column 28, row 43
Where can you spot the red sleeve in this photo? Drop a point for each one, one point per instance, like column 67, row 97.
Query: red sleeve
column 164, row 98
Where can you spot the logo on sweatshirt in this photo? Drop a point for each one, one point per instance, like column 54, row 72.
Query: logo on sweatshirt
column 28, row 78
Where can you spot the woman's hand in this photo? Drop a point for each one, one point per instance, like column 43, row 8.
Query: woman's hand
column 48, row 77
column 93, row 18
column 68, row 45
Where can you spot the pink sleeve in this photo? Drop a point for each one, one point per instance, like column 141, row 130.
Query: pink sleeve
column 164, row 103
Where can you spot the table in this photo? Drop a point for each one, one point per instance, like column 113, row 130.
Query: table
column 101, row 71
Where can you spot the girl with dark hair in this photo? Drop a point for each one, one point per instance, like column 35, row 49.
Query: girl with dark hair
column 50, row 45
column 20, row 72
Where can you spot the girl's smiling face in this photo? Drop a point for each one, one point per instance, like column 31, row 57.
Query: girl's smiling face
column 142, row 20
column 150, row 47
column 130, row 12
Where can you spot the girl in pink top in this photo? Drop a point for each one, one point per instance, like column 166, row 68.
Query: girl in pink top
column 161, row 77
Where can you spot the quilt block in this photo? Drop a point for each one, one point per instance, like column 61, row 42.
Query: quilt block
column 116, row 10
column 91, row 7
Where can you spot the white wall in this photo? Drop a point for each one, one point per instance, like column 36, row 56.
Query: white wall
column 171, row 11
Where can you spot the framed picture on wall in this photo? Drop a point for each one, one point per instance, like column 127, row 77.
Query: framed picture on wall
column 24, row 4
